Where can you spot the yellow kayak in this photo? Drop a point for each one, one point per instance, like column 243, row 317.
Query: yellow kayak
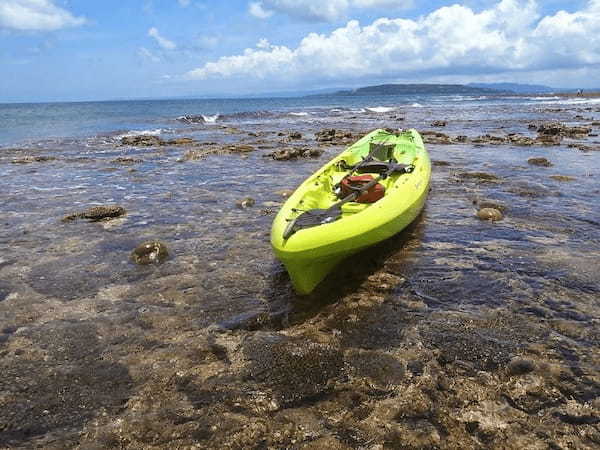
column 368, row 193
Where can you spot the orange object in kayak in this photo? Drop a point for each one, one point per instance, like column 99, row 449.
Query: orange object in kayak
column 353, row 183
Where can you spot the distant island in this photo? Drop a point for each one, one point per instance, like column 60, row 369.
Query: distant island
column 450, row 89
column 406, row 89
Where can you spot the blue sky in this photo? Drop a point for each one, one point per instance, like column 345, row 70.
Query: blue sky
column 82, row 49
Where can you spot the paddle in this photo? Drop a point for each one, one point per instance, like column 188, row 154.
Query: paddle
column 314, row 217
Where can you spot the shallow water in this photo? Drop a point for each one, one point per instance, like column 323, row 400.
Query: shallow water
column 456, row 332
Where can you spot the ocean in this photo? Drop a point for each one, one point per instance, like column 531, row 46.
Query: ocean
column 455, row 332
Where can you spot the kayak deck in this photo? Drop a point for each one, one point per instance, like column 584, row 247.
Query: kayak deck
column 310, row 253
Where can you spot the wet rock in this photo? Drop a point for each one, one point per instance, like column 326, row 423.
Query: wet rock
column 518, row 139
column 295, row 135
column 481, row 204
column 541, row 162
column 520, row 366
column 584, row 148
column 479, row 176
column 239, row 148
column 294, row 153
column 334, row 136
column 439, row 123
column 246, row 203
column 491, row 214
column 124, row 160
column 559, row 129
column 440, row 163
column 142, row 141
column 434, row 137
column 97, row 213
column 563, row 178
column 145, row 140
column 150, row 252
column 489, row 139
column 180, row 141
column 33, row 159
column 548, row 139
column 596, row 124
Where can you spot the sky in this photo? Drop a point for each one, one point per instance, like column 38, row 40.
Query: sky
column 70, row 50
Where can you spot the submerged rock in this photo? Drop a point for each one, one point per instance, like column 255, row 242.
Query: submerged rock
column 479, row 176
column 489, row 214
column 33, row 159
column 246, row 203
column 97, row 213
column 125, row 160
column 562, row 178
column 150, row 252
column 542, row 162
column 146, row 140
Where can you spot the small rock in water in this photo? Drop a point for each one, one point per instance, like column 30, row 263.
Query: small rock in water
column 295, row 135
column 97, row 213
column 246, row 203
column 150, row 252
column 542, row 162
column 285, row 193
column 439, row 123
column 490, row 214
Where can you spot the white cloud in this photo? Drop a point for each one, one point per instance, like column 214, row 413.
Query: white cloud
column 509, row 36
column 184, row 3
column 319, row 10
column 311, row 10
column 147, row 55
column 36, row 15
column 383, row 3
column 257, row 10
column 162, row 41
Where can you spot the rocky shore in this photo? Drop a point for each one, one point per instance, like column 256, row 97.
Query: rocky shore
column 141, row 306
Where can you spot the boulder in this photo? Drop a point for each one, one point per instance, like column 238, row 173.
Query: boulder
column 150, row 252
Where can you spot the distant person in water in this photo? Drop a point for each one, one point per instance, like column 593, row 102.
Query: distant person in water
column 580, row 92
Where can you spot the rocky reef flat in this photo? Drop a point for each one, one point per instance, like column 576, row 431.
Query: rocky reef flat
column 141, row 306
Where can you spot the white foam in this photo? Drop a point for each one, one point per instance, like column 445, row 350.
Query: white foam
column 210, row 119
column 381, row 109
column 416, row 105
column 132, row 133
column 299, row 114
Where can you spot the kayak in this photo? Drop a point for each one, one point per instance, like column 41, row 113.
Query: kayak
column 368, row 193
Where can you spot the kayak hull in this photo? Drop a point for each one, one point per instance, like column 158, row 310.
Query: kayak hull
column 311, row 253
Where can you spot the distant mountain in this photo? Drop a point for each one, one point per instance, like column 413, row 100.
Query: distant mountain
column 518, row 88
